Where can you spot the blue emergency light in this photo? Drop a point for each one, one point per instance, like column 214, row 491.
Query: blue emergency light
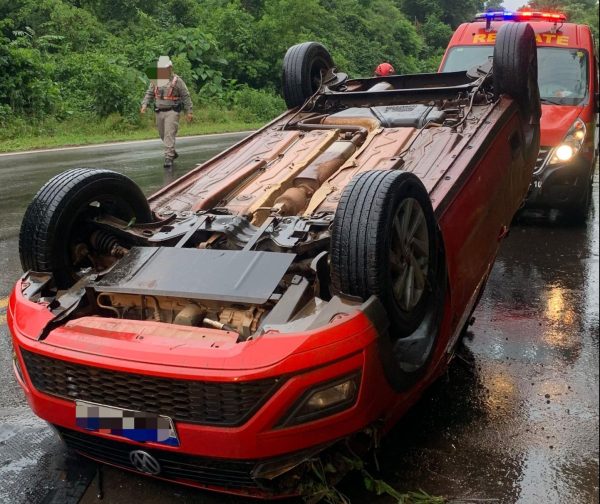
column 505, row 15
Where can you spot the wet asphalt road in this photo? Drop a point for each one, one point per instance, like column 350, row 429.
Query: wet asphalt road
column 514, row 420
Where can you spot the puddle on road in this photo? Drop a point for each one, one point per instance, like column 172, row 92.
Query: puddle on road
column 516, row 418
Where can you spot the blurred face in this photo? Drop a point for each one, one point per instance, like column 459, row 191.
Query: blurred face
column 163, row 73
column 159, row 75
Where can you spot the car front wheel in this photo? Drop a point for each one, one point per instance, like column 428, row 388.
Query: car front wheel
column 385, row 243
column 57, row 225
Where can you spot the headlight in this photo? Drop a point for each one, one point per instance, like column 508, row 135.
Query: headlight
column 564, row 152
column 324, row 400
column 570, row 144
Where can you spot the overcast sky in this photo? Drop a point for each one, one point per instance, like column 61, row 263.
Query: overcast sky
column 513, row 4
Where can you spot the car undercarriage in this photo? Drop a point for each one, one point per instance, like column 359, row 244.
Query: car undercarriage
column 302, row 286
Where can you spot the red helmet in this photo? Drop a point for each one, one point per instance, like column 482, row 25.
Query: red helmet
column 384, row 69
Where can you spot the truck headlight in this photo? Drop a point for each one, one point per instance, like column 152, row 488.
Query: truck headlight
column 570, row 145
column 564, row 152
column 324, row 400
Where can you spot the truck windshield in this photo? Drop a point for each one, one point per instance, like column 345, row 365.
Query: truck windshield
column 562, row 72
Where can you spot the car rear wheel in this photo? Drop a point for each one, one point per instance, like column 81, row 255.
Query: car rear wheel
column 515, row 73
column 515, row 68
column 56, row 226
column 385, row 243
column 304, row 67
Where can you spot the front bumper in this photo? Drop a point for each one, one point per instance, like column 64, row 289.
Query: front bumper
column 237, row 477
column 304, row 361
column 560, row 186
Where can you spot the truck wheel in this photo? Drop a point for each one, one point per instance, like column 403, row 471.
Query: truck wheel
column 303, row 67
column 578, row 213
column 58, row 218
column 385, row 242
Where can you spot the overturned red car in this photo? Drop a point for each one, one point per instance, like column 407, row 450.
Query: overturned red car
column 300, row 288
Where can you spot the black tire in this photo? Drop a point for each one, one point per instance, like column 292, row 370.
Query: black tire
column 363, row 241
column 303, row 66
column 58, row 215
column 578, row 213
column 515, row 68
column 515, row 72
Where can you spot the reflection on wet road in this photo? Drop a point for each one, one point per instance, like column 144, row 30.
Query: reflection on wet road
column 517, row 417
column 514, row 420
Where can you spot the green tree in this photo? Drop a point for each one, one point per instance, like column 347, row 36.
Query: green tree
column 88, row 57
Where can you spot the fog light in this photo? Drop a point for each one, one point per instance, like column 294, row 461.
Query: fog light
column 331, row 396
column 324, row 400
column 564, row 152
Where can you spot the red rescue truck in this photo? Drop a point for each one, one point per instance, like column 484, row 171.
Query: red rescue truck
column 568, row 83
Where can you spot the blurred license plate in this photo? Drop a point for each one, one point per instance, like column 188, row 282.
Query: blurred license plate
column 134, row 425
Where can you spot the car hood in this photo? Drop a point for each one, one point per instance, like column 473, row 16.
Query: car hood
column 556, row 121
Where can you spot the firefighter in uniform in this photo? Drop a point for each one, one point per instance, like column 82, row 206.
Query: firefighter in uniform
column 170, row 95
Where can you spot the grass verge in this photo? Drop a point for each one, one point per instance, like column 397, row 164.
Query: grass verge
column 87, row 131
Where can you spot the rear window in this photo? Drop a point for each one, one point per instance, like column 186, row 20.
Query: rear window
column 562, row 72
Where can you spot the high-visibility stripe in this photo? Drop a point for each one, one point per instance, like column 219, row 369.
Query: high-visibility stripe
column 170, row 88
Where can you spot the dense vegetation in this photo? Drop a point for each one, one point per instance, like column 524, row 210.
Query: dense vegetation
column 79, row 64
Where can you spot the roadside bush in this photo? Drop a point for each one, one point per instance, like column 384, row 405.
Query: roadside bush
column 5, row 116
column 78, row 28
column 239, row 41
column 100, row 84
column 116, row 122
column 436, row 34
column 117, row 90
column 211, row 114
column 26, row 83
column 256, row 104
column 431, row 62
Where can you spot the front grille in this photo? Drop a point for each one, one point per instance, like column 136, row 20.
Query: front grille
column 208, row 403
column 173, row 466
column 541, row 159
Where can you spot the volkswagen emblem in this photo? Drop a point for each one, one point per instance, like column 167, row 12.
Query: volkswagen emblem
column 144, row 462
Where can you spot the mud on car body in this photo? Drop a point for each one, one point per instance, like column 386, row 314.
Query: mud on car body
column 300, row 288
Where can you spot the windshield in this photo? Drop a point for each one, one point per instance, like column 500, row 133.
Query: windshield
column 562, row 73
